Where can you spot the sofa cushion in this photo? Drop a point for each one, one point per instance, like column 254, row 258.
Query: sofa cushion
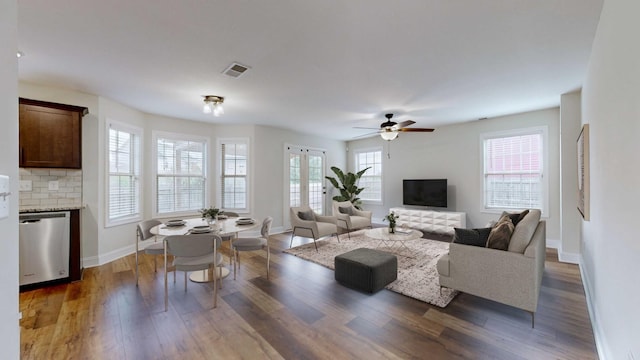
column 515, row 217
column 307, row 215
column 475, row 237
column 346, row 210
column 524, row 231
column 501, row 234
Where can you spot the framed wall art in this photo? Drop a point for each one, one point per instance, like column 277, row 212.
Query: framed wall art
column 583, row 172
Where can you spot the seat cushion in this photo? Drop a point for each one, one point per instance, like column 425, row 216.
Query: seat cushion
column 192, row 263
column 325, row 229
column 523, row 232
column 157, row 248
column 249, row 244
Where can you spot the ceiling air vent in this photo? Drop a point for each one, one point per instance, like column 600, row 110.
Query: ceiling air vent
column 235, row 70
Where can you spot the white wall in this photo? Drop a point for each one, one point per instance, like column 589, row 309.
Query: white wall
column 100, row 244
column 570, row 120
column 9, row 326
column 453, row 152
column 610, row 243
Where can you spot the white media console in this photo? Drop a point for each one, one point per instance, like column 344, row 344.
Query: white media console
column 431, row 221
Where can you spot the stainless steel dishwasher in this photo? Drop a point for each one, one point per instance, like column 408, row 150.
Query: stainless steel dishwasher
column 44, row 246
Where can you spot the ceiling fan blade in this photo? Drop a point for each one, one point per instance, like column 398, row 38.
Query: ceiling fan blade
column 415, row 130
column 366, row 135
column 367, row 128
column 405, row 123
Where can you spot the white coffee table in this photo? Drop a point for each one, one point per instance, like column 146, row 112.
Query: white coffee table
column 395, row 241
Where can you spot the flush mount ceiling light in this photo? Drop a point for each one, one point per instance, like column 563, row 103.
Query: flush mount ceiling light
column 213, row 104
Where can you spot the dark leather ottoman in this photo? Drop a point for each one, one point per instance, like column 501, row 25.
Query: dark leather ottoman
column 366, row 270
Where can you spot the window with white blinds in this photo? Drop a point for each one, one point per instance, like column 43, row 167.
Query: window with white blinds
column 514, row 170
column 371, row 180
column 234, row 174
column 180, row 173
column 123, row 188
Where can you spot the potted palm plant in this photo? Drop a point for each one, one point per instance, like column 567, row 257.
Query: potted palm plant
column 348, row 185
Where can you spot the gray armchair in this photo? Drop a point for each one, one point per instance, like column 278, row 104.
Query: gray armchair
column 306, row 223
column 350, row 218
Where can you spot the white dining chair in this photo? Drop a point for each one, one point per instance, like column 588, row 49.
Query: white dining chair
column 252, row 244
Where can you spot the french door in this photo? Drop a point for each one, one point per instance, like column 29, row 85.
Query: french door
column 305, row 175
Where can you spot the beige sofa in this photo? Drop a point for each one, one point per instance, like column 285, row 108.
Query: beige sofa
column 506, row 276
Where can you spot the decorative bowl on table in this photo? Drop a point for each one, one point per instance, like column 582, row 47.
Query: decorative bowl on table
column 175, row 222
column 245, row 221
column 201, row 229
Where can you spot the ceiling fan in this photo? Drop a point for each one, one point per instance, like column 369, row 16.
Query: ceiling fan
column 389, row 129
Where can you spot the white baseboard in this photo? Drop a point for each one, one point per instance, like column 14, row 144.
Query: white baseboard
column 553, row 244
column 601, row 344
column 90, row 261
column 563, row 256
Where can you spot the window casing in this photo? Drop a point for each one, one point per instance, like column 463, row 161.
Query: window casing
column 514, row 170
column 233, row 193
column 123, row 179
column 181, row 182
column 371, row 180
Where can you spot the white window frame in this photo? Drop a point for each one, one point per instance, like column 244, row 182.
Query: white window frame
column 544, row 184
column 136, row 174
column 220, row 175
column 357, row 167
column 183, row 137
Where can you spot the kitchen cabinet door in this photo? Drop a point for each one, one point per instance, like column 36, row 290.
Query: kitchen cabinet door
column 50, row 135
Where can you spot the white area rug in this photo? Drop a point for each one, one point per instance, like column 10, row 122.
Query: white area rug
column 417, row 274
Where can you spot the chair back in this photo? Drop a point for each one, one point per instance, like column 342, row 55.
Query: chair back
column 144, row 228
column 266, row 227
column 231, row 214
column 192, row 245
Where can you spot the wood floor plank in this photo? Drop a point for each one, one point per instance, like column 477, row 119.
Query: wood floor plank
column 301, row 312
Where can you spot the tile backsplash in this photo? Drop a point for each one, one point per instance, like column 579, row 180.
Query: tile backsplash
column 68, row 193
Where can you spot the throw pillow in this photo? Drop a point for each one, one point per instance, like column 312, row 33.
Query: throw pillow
column 307, row 215
column 474, row 237
column 515, row 217
column 524, row 231
column 345, row 210
column 501, row 234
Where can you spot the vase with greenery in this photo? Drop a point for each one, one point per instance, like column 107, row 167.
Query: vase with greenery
column 348, row 185
column 210, row 214
column 391, row 218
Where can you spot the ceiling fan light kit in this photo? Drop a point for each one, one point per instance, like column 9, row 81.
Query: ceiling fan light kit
column 213, row 105
column 388, row 134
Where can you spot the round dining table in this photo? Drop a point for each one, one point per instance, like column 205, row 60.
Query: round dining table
column 221, row 227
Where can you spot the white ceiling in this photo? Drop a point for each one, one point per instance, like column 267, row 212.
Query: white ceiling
column 318, row 67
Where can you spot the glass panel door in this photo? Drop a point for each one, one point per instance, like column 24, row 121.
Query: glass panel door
column 306, row 178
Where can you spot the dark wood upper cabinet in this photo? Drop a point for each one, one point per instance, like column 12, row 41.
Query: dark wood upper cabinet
column 50, row 134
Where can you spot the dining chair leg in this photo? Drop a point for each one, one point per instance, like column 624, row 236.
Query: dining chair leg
column 215, row 285
column 166, row 291
column 137, row 249
column 185, row 281
column 235, row 263
column 268, row 260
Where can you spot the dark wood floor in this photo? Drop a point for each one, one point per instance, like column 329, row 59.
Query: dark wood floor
column 300, row 313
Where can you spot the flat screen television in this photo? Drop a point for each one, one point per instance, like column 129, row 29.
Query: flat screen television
column 425, row 192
